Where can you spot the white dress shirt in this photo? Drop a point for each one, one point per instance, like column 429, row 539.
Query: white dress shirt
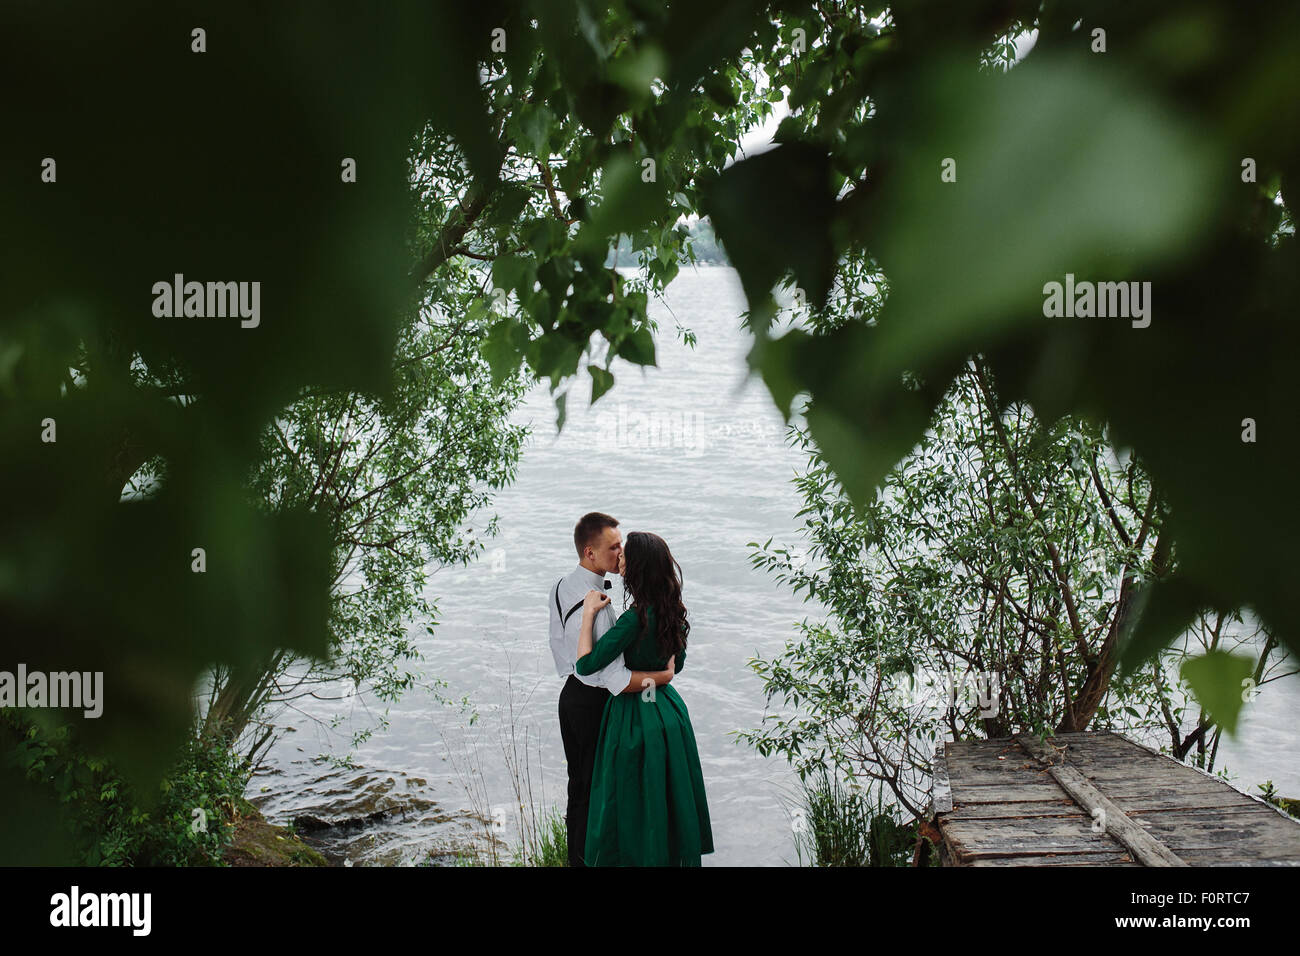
column 573, row 587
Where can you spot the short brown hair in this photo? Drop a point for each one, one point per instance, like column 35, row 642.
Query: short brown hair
column 589, row 527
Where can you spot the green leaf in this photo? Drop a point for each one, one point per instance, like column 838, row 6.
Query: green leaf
column 560, row 402
column 771, row 212
column 508, row 203
column 601, row 382
column 533, row 125
column 501, row 348
column 628, row 203
column 638, row 347
column 1218, row 680
column 514, row 272
column 554, row 354
column 1162, row 611
column 719, row 89
column 637, row 69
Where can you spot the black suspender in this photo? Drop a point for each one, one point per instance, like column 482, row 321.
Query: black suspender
column 564, row 618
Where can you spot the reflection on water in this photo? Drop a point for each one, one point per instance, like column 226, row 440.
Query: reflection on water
column 691, row 451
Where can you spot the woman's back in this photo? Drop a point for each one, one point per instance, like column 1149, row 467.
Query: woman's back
column 648, row 806
column 643, row 653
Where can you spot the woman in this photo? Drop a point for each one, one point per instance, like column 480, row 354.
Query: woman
column 647, row 791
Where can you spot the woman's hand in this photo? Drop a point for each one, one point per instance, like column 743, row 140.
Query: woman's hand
column 594, row 601
column 591, row 605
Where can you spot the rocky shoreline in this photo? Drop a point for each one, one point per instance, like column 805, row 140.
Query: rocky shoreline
column 259, row 843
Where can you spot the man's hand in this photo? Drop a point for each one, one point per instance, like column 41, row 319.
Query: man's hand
column 664, row 676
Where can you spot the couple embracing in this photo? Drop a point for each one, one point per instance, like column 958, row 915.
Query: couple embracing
column 636, row 793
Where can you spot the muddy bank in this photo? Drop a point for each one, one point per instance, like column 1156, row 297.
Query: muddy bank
column 259, row 843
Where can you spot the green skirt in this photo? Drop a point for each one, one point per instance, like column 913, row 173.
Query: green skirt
column 647, row 791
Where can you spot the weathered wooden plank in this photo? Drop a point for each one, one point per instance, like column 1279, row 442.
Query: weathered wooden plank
column 1136, row 760
column 1012, row 804
column 1145, row 848
column 1012, row 776
column 1013, row 832
column 1206, row 775
column 994, row 778
column 1174, row 800
column 1113, row 750
column 1038, row 835
column 1167, row 774
column 1248, row 829
column 987, row 760
column 1164, row 792
column 971, row 748
column 1118, row 858
column 1013, row 792
column 1156, row 783
column 1088, row 757
column 1126, row 779
column 1233, row 856
column 940, row 787
column 1063, row 806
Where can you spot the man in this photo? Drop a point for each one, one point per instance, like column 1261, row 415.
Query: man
column 582, row 700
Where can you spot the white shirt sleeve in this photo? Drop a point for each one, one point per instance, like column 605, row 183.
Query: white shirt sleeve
column 615, row 675
column 562, row 667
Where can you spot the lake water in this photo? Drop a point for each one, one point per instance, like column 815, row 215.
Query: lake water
column 694, row 451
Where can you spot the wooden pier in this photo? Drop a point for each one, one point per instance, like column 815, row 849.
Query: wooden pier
column 1096, row 799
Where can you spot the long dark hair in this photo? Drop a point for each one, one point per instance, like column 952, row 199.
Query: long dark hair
column 653, row 579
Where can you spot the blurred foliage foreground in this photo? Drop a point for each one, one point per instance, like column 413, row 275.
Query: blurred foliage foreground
column 1126, row 162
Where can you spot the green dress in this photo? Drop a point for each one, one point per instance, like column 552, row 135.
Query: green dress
column 647, row 791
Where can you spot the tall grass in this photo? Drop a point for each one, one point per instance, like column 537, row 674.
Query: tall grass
column 840, row 825
column 540, row 837
column 548, row 842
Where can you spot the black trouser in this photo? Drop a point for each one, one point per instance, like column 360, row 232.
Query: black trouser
column 581, row 710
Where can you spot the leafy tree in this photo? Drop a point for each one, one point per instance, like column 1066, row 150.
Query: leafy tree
column 104, row 821
column 93, row 384
column 398, row 480
column 982, row 594
column 1120, row 165
column 162, row 424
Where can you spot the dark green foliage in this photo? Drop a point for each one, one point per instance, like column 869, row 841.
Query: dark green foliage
column 798, row 173
column 221, row 166
column 983, row 594
column 225, row 166
column 106, row 822
column 1124, row 165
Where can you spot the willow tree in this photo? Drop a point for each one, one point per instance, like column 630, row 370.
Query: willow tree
column 984, row 593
